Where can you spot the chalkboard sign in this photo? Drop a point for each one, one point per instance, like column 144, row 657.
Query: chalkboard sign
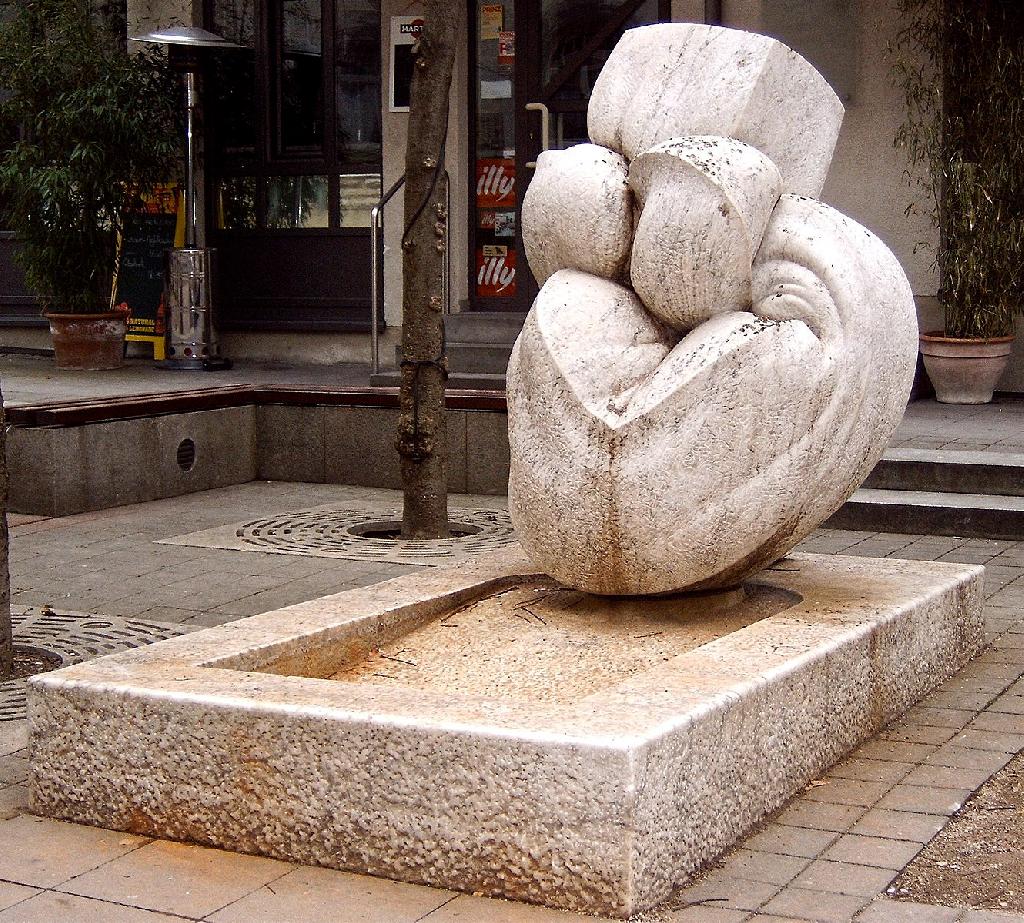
column 140, row 282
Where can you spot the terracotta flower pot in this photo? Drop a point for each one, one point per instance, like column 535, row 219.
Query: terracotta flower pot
column 964, row 371
column 88, row 341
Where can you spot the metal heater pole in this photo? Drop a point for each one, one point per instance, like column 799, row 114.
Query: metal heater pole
column 190, row 160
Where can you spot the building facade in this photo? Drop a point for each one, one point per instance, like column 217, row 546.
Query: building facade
column 305, row 127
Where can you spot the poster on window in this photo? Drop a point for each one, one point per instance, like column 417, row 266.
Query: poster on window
column 506, row 48
column 405, row 31
column 492, row 21
column 495, row 271
column 495, row 182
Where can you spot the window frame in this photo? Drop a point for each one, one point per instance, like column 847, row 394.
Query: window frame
column 268, row 159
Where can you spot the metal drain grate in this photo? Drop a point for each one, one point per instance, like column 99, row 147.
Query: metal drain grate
column 341, row 534
column 74, row 637
column 336, row 531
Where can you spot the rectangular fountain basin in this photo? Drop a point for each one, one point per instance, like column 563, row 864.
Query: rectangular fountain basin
column 480, row 728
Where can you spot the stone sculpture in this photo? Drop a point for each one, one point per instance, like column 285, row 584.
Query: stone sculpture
column 715, row 360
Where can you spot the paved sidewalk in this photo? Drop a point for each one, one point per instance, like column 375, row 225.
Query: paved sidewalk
column 828, row 855
column 34, row 379
column 997, row 427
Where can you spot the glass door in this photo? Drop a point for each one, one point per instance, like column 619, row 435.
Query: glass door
column 496, row 258
column 529, row 91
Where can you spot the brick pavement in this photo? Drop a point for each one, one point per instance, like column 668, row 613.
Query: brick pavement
column 828, row 855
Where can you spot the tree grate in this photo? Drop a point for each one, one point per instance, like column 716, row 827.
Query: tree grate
column 336, row 531
column 74, row 637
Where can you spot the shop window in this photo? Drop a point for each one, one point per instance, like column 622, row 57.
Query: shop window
column 295, row 114
column 297, row 202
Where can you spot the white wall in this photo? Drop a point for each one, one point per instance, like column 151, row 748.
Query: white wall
column 146, row 15
column 866, row 179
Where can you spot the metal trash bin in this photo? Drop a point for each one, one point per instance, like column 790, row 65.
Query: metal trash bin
column 192, row 337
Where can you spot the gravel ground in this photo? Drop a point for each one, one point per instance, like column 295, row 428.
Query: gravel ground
column 976, row 861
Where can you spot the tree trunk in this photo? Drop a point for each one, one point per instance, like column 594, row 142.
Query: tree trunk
column 6, row 639
column 422, row 430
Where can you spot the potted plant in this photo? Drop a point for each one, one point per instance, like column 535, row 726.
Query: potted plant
column 961, row 66
column 91, row 129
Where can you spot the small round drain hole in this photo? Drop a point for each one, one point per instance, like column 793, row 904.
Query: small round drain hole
column 391, row 530
column 186, row 454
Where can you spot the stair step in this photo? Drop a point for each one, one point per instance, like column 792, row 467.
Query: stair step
column 922, row 512
column 456, row 381
column 487, row 327
column 474, row 358
column 944, row 471
column 479, row 358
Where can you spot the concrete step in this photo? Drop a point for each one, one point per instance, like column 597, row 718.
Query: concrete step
column 456, row 381
column 944, row 471
column 486, row 327
column 932, row 513
column 479, row 358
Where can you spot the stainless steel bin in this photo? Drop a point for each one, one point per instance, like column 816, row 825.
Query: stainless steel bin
column 191, row 332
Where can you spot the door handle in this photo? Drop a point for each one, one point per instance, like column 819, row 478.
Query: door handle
column 545, row 129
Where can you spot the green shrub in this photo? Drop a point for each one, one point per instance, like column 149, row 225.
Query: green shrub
column 964, row 139
column 91, row 129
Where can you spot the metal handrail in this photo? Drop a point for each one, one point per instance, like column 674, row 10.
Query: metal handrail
column 377, row 264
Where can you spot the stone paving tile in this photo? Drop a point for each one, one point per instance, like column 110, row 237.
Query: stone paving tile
column 11, row 894
column 881, row 749
column 790, row 841
column 918, row 734
column 824, row 906
column 848, row 791
column 1001, row 723
column 999, row 742
column 1007, row 704
column 315, row 895
column 873, row 851
column 946, row 777
column 708, row 915
column 13, row 736
column 13, row 801
column 43, row 853
column 899, row 825
column 722, row 889
column 941, row 717
column 820, row 815
column 165, row 614
column 177, row 878
column 772, row 918
column 53, row 907
column 871, row 770
column 923, row 799
column 844, row 878
column 762, row 866
column 967, row 758
column 962, row 700
column 991, row 916
column 886, row 911
column 467, row 909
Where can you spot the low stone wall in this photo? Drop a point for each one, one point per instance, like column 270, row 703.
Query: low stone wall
column 62, row 470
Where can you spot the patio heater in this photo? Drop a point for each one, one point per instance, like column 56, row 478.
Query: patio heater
column 192, row 335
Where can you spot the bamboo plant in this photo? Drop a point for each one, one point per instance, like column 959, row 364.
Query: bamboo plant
column 88, row 129
column 964, row 141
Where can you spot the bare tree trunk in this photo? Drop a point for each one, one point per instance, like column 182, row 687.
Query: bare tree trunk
column 422, row 430
column 6, row 638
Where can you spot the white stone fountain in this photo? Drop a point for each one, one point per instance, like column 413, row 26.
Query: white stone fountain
column 714, row 362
